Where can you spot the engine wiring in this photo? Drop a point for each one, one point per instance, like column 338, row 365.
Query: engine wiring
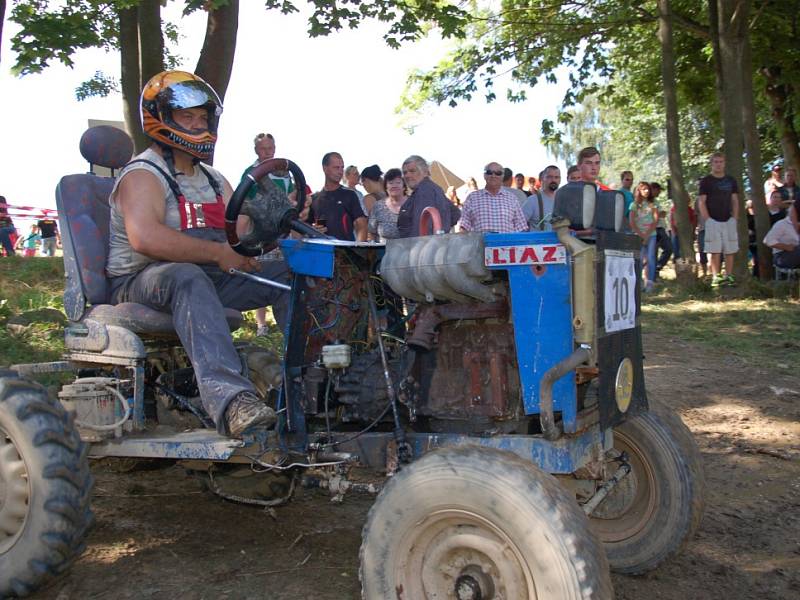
column 363, row 431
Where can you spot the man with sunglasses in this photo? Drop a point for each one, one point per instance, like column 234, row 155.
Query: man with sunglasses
column 492, row 209
column 425, row 193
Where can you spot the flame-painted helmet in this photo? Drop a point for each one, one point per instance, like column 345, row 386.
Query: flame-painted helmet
column 174, row 90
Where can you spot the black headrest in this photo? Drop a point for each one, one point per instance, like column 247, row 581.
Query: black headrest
column 106, row 146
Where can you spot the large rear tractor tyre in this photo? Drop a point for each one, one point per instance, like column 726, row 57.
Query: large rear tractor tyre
column 651, row 514
column 475, row 522
column 45, row 488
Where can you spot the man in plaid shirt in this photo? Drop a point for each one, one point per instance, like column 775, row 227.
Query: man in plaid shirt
column 492, row 208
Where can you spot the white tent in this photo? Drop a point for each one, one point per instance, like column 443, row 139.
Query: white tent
column 444, row 177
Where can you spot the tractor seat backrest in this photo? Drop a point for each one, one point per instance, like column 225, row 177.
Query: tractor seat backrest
column 83, row 212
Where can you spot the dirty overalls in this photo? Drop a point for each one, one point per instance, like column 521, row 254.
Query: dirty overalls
column 195, row 294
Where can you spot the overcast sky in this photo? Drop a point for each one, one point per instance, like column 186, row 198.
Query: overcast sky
column 314, row 95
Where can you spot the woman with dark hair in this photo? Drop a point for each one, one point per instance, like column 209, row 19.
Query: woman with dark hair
column 372, row 180
column 383, row 217
column 643, row 220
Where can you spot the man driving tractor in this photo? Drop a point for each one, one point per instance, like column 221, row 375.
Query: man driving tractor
column 168, row 248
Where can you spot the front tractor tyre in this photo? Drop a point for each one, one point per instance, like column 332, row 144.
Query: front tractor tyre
column 45, row 488
column 473, row 522
column 652, row 512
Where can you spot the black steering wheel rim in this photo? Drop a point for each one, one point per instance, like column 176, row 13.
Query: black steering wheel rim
column 289, row 219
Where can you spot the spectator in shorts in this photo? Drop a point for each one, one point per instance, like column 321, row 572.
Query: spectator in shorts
column 50, row 238
column 719, row 206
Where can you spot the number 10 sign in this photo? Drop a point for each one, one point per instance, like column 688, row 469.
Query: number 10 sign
column 620, row 291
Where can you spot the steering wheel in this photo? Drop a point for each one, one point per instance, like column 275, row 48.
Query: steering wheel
column 269, row 209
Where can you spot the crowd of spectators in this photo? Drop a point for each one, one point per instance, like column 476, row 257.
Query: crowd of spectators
column 42, row 235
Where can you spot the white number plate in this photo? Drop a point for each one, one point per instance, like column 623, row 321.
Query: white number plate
column 533, row 254
column 620, row 291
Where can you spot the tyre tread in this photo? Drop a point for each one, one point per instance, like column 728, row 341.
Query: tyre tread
column 671, row 443
column 569, row 522
column 63, row 470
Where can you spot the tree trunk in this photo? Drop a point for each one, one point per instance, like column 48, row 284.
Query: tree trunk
column 684, row 266
column 752, row 145
column 151, row 40
column 2, row 19
column 215, row 64
column 732, row 28
column 130, row 76
column 778, row 93
column 713, row 30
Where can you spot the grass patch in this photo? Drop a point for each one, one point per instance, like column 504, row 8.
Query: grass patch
column 741, row 321
column 30, row 284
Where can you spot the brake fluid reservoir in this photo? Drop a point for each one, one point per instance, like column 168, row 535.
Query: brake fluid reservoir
column 336, row 356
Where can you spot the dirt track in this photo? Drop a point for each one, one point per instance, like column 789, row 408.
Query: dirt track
column 159, row 535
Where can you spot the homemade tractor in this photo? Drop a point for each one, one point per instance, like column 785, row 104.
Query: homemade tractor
column 496, row 378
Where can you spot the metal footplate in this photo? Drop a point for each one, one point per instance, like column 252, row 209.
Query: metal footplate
column 201, row 444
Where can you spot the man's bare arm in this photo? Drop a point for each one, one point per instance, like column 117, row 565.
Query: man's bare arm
column 735, row 205
column 360, row 226
column 140, row 198
column 701, row 204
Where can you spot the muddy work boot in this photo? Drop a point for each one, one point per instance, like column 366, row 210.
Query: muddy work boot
column 247, row 411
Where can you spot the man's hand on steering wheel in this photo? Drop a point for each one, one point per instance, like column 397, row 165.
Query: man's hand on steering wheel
column 230, row 259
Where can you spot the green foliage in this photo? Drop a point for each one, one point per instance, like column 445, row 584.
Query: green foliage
column 56, row 30
column 53, row 31
column 608, row 51
column 100, row 85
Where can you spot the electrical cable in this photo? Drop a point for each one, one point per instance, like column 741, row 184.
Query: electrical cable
column 363, row 431
column 255, row 501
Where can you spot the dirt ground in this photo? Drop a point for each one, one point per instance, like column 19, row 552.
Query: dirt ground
column 159, row 534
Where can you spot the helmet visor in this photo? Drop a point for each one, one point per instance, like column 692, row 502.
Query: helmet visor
column 191, row 94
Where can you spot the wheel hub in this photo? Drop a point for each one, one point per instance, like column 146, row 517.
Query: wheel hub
column 458, row 554
column 474, row 584
column 14, row 493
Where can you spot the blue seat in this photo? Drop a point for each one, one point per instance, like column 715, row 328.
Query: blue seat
column 83, row 212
